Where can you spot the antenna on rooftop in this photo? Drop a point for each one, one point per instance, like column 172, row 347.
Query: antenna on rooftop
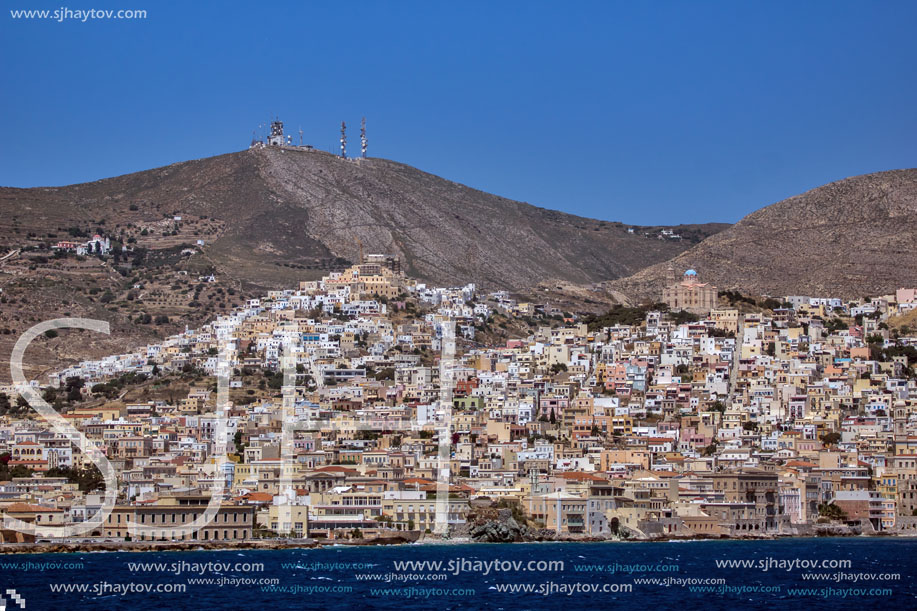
column 343, row 140
column 363, row 140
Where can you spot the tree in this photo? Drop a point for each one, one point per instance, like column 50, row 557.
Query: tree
column 831, row 439
column 240, row 447
column 21, row 471
column 49, row 394
column 87, row 479
column 831, row 511
column 835, row 324
column 386, row 373
column 74, row 382
column 274, row 380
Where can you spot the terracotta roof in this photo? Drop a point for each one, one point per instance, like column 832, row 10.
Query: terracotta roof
column 336, row 468
column 258, row 497
column 26, row 507
column 580, row 476
column 800, row 463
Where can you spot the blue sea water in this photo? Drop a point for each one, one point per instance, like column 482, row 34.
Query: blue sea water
column 843, row 573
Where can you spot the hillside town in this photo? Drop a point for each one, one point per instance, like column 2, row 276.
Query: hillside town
column 708, row 414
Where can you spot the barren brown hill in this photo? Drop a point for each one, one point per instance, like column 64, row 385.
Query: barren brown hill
column 267, row 218
column 853, row 237
column 277, row 207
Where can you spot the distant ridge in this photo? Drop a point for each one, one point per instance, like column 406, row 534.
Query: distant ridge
column 854, row 237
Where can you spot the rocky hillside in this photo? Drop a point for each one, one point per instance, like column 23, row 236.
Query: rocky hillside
column 286, row 213
column 852, row 237
column 267, row 218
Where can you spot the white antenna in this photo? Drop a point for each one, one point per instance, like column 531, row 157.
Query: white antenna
column 363, row 139
column 343, row 140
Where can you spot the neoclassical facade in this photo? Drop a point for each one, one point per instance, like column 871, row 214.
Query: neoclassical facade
column 690, row 294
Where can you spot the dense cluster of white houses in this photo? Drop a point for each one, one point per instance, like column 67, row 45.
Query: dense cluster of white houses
column 736, row 424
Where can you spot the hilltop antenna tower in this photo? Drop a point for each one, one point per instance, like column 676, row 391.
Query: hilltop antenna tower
column 363, row 139
column 343, row 140
column 276, row 137
column 300, row 135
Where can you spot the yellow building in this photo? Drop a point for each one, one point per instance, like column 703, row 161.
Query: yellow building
column 726, row 320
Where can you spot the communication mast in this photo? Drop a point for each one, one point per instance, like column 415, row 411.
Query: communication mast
column 300, row 135
column 343, row 140
column 363, row 139
column 276, row 137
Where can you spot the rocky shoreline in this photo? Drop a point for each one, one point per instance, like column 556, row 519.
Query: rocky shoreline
column 190, row 546
column 491, row 526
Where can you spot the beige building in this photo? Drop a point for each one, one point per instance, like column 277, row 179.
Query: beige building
column 726, row 320
column 287, row 519
column 168, row 514
column 690, row 294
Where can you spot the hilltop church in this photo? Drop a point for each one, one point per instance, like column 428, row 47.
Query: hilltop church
column 690, row 294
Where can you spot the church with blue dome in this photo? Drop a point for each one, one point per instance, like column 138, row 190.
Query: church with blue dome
column 689, row 293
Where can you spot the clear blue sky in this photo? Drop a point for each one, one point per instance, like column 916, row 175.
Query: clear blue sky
column 645, row 112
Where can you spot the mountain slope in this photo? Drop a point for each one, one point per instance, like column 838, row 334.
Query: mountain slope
column 853, row 237
column 283, row 206
column 268, row 218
